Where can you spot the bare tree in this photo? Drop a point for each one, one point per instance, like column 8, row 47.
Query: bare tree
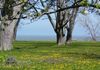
column 91, row 25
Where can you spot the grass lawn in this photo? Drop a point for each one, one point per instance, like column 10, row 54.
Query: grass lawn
column 37, row 55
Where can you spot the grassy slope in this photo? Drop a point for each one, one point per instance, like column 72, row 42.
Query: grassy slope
column 47, row 56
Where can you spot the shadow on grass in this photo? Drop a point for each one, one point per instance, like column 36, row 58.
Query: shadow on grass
column 32, row 45
column 85, row 55
column 86, row 44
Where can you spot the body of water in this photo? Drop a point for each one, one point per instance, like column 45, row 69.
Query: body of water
column 36, row 38
column 50, row 38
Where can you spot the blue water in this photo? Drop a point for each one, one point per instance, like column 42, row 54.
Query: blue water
column 37, row 38
column 50, row 38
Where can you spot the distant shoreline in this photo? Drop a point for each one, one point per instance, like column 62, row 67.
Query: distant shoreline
column 51, row 38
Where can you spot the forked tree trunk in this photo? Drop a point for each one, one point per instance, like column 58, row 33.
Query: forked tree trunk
column 60, row 19
column 7, row 29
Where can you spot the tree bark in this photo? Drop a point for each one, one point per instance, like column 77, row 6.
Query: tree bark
column 60, row 19
column 69, row 36
column 7, row 29
column 60, row 38
column 6, row 37
column 71, row 26
column 15, row 28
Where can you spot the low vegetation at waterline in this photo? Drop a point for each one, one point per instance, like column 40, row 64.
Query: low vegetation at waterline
column 37, row 55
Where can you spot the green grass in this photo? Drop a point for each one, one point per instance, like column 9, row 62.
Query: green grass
column 39, row 55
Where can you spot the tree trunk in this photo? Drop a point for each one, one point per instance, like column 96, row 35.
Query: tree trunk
column 7, row 29
column 60, row 38
column 15, row 28
column 69, row 36
column 6, row 37
column 71, row 26
column 60, row 20
column 69, row 31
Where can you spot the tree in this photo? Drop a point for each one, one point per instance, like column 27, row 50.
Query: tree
column 61, row 17
column 60, row 21
column 70, row 26
column 57, row 25
column 91, row 26
column 10, row 12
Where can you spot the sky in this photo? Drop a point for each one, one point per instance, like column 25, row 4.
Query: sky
column 42, row 27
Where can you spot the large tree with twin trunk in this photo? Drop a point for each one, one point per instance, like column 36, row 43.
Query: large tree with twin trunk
column 64, row 20
column 10, row 14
